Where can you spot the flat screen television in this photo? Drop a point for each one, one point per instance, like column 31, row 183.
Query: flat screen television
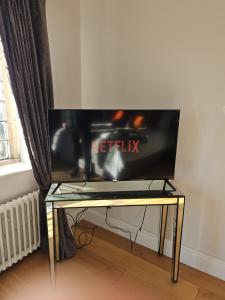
column 112, row 145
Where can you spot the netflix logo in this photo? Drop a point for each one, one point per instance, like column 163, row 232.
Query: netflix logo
column 130, row 146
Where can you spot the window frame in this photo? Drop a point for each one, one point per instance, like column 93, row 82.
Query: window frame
column 4, row 126
column 12, row 120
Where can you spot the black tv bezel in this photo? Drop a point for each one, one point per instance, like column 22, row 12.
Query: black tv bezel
column 123, row 180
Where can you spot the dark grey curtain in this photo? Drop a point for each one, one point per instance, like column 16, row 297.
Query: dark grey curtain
column 23, row 31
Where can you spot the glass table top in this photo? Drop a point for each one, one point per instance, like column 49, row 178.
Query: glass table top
column 71, row 192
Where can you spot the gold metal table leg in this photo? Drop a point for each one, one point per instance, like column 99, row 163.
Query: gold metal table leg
column 50, row 224
column 177, row 238
column 56, row 236
column 164, row 213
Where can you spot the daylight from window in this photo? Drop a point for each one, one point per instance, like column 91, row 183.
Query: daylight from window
column 12, row 143
column 4, row 140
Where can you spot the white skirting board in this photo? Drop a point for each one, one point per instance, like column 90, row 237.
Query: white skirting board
column 190, row 257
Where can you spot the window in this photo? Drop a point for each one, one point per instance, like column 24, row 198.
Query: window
column 9, row 121
column 4, row 137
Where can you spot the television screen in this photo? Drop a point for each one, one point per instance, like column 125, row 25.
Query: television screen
column 112, row 145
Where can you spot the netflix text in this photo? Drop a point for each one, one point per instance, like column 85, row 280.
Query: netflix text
column 130, row 146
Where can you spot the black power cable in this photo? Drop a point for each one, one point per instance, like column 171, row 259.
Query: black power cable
column 116, row 227
column 83, row 234
column 150, row 184
column 139, row 229
column 132, row 243
column 74, row 188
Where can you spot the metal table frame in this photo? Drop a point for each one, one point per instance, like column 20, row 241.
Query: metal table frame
column 65, row 200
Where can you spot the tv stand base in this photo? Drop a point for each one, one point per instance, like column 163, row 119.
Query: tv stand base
column 166, row 184
column 93, row 200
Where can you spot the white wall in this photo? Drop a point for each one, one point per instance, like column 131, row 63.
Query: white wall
column 166, row 54
column 17, row 179
column 17, row 184
column 63, row 19
column 155, row 54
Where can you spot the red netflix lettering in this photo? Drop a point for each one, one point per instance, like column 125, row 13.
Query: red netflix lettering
column 130, row 146
column 123, row 149
column 117, row 144
column 102, row 146
column 135, row 146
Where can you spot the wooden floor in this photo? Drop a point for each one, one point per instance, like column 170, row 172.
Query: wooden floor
column 107, row 270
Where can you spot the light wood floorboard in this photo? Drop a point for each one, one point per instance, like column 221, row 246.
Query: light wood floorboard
column 107, row 270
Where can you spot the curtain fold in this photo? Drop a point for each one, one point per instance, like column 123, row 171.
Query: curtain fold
column 23, row 31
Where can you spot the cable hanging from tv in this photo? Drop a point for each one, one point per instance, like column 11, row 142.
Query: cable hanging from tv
column 82, row 238
column 132, row 242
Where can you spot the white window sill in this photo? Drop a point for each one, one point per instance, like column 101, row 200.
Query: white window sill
column 14, row 168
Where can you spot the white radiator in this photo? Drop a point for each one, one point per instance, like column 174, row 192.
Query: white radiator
column 19, row 229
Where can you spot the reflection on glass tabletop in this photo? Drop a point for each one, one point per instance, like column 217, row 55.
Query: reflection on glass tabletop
column 69, row 192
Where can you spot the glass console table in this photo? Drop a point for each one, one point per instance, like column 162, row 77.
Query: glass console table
column 67, row 197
